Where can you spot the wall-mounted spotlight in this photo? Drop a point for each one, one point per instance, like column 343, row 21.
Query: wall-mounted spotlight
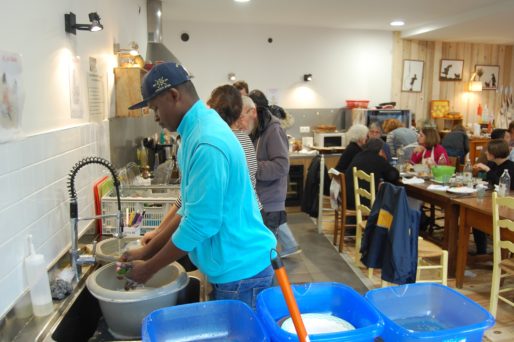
column 232, row 77
column 71, row 26
column 307, row 77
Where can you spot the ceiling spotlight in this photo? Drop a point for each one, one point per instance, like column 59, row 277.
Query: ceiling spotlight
column 242, row 0
column 71, row 26
column 232, row 77
column 307, row 77
column 397, row 23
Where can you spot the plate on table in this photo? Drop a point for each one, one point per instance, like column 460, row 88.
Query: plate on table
column 461, row 190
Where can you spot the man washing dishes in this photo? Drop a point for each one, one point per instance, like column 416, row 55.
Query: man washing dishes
column 221, row 227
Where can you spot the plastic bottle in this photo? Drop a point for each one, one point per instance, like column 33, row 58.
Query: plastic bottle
column 504, row 185
column 37, row 278
column 468, row 172
column 401, row 156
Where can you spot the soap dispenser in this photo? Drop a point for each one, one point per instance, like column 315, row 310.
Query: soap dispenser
column 37, row 278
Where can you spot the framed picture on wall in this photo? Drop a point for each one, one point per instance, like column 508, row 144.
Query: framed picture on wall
column 412, row 76
column 488, row 75
column 451, row 70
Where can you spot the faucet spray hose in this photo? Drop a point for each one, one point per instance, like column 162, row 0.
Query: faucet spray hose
column 73, row 173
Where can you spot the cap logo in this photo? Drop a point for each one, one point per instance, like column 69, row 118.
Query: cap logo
column 161, row 83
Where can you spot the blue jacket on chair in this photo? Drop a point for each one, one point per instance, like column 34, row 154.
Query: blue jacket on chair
column 390, row 240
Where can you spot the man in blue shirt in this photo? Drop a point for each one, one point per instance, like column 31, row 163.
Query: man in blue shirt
column 221, row 227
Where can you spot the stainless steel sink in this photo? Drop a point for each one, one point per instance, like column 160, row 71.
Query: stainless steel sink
column 83, row 320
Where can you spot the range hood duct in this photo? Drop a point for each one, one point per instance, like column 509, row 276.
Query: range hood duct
column 156, row 51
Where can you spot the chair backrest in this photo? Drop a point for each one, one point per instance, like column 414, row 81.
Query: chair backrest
column 361, row 192
column 342, row 180
column 499, row 205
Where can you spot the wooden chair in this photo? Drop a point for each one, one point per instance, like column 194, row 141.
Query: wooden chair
column 361, row 209
column 341, row 214
column 430, row 208
column 502, row 267
column 428, row 250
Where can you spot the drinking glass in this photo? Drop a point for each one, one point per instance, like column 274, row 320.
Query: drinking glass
column 480, row 193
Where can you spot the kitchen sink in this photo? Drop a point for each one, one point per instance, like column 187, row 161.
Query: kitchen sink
column 83, row 320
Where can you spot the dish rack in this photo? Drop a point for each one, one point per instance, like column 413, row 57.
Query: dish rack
column 155, row 200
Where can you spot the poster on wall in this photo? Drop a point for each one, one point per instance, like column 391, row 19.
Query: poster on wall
column 488, row 75
column 11, row 95
column 412, row 76
column 451, row 70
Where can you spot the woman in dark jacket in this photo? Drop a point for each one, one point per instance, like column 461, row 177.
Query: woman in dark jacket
column 370, row 160
column 357, row 136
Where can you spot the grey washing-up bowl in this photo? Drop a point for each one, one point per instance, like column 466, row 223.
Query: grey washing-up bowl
column 110, row 250
column 124, row 310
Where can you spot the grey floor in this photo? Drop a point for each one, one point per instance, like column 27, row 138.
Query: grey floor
column 319, row 260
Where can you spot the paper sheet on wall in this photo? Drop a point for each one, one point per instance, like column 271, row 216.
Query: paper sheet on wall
column 75, row 101
column 11, row 95
column 96, row 96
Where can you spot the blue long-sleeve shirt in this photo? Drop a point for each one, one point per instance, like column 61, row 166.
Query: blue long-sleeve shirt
column 221, row 225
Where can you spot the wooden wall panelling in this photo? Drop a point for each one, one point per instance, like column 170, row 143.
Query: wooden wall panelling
column 461, row 100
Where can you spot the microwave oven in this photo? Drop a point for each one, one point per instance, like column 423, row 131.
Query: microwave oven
column 330, row 139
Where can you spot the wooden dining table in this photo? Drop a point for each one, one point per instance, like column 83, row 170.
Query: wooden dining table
column 476, row 214
column 445, row 201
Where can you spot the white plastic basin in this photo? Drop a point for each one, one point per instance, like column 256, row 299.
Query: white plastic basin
column 124, row 310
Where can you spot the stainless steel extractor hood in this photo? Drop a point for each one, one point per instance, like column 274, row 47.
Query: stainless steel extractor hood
column 156, row 51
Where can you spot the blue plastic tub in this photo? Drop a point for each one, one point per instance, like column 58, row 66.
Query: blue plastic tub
column 221, row 320
column 330, row 298
column 429, row 312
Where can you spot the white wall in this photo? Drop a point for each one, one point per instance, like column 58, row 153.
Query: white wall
column 34, row 167
column 346, row 64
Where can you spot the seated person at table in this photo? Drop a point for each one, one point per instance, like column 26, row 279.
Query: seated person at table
column 371, row 160
column 498, row 160
column 511, row 132
column 375, row 131
column 456, row 142
column 357, row 136
column 429, row 151
column 497, row 133
column 398, row 136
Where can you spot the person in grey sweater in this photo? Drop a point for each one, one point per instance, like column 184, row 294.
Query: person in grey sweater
column 272, row 149
column 398, row 136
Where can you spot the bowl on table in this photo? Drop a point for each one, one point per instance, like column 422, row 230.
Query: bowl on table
column 443, row 173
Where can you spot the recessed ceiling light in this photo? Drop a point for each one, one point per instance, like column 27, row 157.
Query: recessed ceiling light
column 397, row 23
column 241, row 0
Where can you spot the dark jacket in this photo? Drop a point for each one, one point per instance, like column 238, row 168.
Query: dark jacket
column 456, row 144
column 496, row 171
column 272, row 151
column 346, row 158
column 369, row 162
column 390, row 240
column 310, row 196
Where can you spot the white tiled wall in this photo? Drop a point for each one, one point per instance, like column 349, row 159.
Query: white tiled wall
column 34, row 197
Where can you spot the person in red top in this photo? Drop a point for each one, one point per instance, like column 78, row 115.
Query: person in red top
column 429, row 151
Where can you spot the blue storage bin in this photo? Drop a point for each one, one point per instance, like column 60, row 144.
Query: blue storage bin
column 429, row 312
column 221, row 320
column 330, row 298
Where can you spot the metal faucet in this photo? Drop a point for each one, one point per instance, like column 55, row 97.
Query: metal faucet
column 78, row 259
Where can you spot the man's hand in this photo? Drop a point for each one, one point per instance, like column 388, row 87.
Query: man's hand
column 133, row 254
column 148, row 236
column 139, row 272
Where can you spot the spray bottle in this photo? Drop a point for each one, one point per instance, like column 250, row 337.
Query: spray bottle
column 37, row 278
